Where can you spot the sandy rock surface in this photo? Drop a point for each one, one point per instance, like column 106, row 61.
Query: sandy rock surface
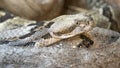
column 62, row 55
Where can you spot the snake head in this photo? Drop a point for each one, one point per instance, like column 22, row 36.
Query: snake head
column 71, row 25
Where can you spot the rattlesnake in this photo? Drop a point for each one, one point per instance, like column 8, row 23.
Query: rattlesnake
column 102, row 16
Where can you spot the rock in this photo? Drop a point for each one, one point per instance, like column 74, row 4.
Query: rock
column 34, row 9
column 63, row 56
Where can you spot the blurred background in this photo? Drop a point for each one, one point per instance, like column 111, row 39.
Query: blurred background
column 48, row 9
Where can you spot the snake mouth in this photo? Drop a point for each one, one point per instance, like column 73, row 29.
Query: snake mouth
column 75, row 32
column 62, row 36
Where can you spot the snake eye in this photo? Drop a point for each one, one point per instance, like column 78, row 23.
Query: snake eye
column 77, row 21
